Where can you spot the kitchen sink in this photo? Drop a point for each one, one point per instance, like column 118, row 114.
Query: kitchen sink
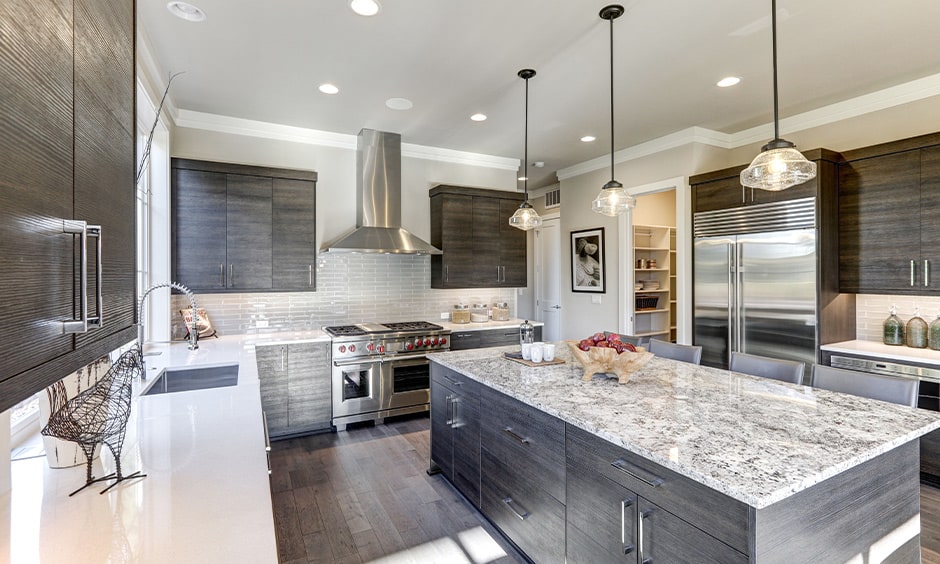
column 186, row 379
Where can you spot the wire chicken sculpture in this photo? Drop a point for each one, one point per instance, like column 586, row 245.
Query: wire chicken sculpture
column 99, row 415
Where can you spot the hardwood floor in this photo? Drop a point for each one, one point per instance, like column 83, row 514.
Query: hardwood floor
column 364, row 496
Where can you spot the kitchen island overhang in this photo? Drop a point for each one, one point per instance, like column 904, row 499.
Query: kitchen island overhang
column 818, row 472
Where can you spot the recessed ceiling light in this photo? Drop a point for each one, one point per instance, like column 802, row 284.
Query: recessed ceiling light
column 365, row 7
column 728, row 81
column 328, row 88
column 399, row 103
column 588, row 138
column 186, row 11
column 478, row 117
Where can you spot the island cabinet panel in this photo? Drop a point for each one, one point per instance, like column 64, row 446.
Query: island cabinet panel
column 530, row 441
column 455, row 430
column 239, row 228
column 719, row 517
column 480, row 249
column 295, row 387
column 601, row 524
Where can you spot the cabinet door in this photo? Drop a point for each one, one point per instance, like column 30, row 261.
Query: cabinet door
column 512, row 247
column 248, row 232
column 718, row 195
column 442, row 430
column 198, row 221
column 467, row 441
column 929, row 271
column 601, row 518
column 309, row 404
column 35, row 186
column 104, row 191
column 294, row 247
column 486, row 241
column 663, row 537
column 879, row 230
column 456, row 240
column 273, row 378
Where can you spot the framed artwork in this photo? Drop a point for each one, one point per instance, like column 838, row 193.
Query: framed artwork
column 587, row 261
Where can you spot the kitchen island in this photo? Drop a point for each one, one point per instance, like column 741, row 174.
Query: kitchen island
column 682, row 462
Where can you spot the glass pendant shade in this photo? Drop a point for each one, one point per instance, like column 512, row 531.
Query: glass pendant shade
column 525, row 217
column 613, row 200
column 778, row 168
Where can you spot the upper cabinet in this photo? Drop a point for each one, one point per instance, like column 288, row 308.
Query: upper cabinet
column 481, row 250
column 888, row 205
column 67, row 137
column 243, row 228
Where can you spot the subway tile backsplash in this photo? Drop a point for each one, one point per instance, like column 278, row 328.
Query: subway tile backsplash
column 871, row 310
column 350, row 288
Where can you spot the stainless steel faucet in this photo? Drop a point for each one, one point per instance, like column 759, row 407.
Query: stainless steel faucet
column 193, row 331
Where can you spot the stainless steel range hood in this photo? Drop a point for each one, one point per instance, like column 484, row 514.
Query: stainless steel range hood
column 378, row 201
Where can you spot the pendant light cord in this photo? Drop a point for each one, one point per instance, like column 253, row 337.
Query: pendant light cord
column 525, row 158
column 611, row 99
column 773, row 25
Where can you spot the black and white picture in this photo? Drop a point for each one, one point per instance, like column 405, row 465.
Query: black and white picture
column 587, row 261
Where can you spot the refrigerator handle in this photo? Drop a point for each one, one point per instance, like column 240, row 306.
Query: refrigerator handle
column 731, row 306
column 739, row 300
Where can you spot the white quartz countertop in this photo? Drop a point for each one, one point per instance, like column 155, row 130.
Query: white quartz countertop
column 206, row 497
column 754, row 439
column 886, row 352
column 462, row 327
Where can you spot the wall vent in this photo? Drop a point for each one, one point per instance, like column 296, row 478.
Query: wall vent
column 553, row 198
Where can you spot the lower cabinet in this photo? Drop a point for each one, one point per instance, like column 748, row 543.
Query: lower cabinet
column 455, row 430
column 480, row 338
column 295, row 387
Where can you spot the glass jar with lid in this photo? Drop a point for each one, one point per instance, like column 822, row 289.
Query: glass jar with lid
column 933, row 334
column 461, row 313
column 916, row 331
column 479, row 313
column 501, row 311
column 893, row 329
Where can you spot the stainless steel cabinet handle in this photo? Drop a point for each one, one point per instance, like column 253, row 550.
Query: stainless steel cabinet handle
column 624, row 537
column 267, row 439
column 283, row 350
column 446, row 273
column 926, row 273
column 454, row 417
column 912, row 272
column 511, row 433
column 743, row 194
column 221, row 275
column 449, row 417
column 84, row 323
column 231, row 275
column 520, row 514
column 309, row 275
column 451, row 381
column 642, row 553
column 630, row 470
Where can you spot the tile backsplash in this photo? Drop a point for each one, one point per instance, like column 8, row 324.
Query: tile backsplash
column 350, row 288
column 871, row 310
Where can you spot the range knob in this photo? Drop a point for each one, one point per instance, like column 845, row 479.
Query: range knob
column 342, row 348
column 381, row 349
column 352, row 348
column 434, row 341
column 370, row 347
column 427, row 342
column 443, row 340
column 410, row 346
column 418, row 343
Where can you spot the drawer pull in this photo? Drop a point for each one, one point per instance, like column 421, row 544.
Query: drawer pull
column 510, row 504
column 630, row 470
column 454, row 382
column 627, row 545
column 516, row 436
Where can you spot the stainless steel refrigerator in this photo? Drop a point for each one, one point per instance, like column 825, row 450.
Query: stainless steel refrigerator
column 755, row 282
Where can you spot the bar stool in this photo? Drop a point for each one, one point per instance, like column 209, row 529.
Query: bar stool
column 866, row 385
column 675, row 351
column 766, row 367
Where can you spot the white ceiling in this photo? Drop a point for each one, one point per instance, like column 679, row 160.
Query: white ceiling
column 263, row 60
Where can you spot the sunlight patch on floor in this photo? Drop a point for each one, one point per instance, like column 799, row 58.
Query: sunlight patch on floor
column 476, row 546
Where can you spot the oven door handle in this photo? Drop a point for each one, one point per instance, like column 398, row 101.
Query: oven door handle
column 362, row 362
column 409, row 357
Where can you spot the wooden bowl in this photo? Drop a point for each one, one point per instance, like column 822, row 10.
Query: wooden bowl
column 602, row 360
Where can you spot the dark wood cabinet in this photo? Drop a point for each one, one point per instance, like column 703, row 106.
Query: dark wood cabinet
column 455, row 430
column 888, row 204
column 67, row 139
column 295, row 382
column 480, row 249
column 480, row 338
column 241, row 228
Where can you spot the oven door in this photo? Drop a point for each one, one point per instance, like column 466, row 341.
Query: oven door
column 408, row 381
column 357, row 387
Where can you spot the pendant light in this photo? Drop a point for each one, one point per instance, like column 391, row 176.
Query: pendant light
column 526, row 217
column 779, row 165
column 612, row 200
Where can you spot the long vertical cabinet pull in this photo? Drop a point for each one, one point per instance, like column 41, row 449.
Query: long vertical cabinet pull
column 98, row 320
column 449, row 410
column 642, row 550
column 731, row 304
column 283, row 363
column 231, row 275
column 310, row 275
column 454, row 413
column 912, row 273
column 926, row 273
column 84, row 323
column 221, row 275
column 625, row 538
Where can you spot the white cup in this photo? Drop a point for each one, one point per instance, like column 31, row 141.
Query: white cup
column 537, row 351
column 548, row 352
column 527, row 351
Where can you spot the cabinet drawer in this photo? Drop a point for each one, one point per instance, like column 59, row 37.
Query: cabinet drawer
column 453, row 380
column 666, row 538
column 499, row 337
column 532, row 519
column 601, row 518
column 530, row 441
column 713, row 512
column 462, row 340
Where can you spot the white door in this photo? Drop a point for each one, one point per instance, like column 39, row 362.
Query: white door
column 548, row 278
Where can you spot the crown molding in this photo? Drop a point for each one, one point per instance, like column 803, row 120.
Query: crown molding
column 459, row 157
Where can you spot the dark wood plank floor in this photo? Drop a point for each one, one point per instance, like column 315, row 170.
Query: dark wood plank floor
column 364, row 496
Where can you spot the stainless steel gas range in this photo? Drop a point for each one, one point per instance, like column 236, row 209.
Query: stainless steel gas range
column 380, row 369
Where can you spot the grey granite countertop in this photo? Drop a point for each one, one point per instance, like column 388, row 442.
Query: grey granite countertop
column 888, row 352
column 756, row 440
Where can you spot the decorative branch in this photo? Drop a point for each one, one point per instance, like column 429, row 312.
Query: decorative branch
column 156, row 120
